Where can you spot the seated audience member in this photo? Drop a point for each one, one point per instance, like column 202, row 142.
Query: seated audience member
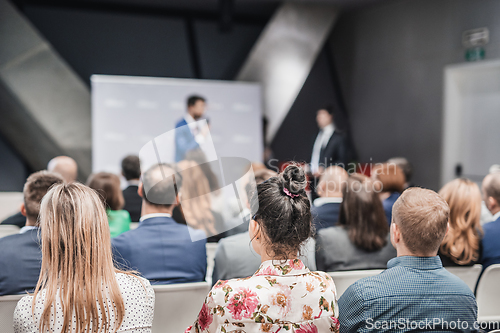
column 108, row 187
column 79, row 289
column 362, row 239
column 235, row 257
column 131, row 170
column 20, row 255
column 283, row 295
column 391, row 180
column 63, row 165
column 405, row 166
column 491, row 197
column 325, row 210
column 160, row 248
column 415, row 287
column 462, row 244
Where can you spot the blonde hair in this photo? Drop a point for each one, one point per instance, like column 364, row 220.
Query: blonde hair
column 77, row 262
column 462, row 242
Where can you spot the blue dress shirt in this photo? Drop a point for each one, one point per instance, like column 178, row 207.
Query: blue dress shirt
column 388, row 203
column 491, row 246
column 414, row 293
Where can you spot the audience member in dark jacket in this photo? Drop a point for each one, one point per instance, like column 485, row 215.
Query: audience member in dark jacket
column 21, row 255
column 160, row 249
column 491, row 245
column 361, row 240
column 131, row 170
column 390, row 181
column 325, row 210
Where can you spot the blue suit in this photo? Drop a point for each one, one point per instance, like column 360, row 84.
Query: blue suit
column 20, row 262
column 388, row 203
column 491, row 247
column 162, row 251
column 184, row 140
column 326, row 215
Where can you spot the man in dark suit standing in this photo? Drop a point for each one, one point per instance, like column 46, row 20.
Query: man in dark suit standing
column 20, row 255
column 330, row 147
column 326, row 208
column 189, row 133
column 161, row 249
column 131, row 170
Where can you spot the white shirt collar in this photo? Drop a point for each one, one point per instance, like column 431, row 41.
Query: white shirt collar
column 149, row 216
column 27, row 228
column 133, row 182
column 189, row 119
column 328, row 130
column 324, row 200
column 496, row 216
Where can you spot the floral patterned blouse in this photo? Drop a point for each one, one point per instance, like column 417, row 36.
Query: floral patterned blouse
column 279, row 297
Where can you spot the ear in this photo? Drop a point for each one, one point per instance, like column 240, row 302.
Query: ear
column 395, row 234
column 493, row 203
column 140, row 190
column 23, row 209
column 254, row 229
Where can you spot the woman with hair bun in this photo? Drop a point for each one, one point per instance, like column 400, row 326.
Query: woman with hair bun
column 283, row 295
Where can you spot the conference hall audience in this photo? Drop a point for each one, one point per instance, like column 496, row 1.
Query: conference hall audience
column 283, row 294
column 391, row 180
column 490, row 243
column 235, row 257
column 64, row 166
column 131, row 170
column 325, row 210
column 161, row 249
column 462, row 244
column 79, row 289
column 362, row 239
column 405, row 166
column 415, row 287
column 20, row 254
column 107, row 185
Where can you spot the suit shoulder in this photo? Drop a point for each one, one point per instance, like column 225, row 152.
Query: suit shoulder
column 180, row 123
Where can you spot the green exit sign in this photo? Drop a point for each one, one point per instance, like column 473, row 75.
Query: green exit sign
column 474, row 54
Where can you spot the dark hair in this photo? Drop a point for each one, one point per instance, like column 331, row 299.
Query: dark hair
column 284, row 219
column 131, row 167
column 328, row 108
column 108, row 186
column 362, row 214
column 160, row 185
column 391, row 177
column 193, row 99
column 36, row 186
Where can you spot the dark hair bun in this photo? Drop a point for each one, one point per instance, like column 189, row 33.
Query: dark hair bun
column 294, row 179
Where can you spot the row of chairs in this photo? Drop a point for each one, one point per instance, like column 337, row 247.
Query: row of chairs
column 178, row 305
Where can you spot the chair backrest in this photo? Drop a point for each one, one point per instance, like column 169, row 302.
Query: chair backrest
column 488, row 295
column 211, row 248
column 177, row 305
column 344, row 279
column 8, row 229
column 468, row 274
column 10, row 203
column 7, row 307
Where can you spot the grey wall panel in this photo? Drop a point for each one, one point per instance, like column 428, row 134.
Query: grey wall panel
column 96, row 42
column 391, row 58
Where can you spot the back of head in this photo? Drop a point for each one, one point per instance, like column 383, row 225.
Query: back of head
column 362, row 214
column 491, row 187
column 161, row 183
column 284, row 212
column 65, row 166
column 462, row 242
column 108, row 186
column 131, row 167
column 76, row 259
column 404, row 165
column 422, row 218
column 35, row 188
column 389, row 176
column 331, row 181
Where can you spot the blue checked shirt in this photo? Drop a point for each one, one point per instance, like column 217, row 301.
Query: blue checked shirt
column 414, row 293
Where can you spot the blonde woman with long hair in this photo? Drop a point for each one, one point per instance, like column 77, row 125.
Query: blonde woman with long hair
column 79, row 289
column 462, row 243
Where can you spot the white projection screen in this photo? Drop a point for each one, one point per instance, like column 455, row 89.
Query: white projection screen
column 128, row 112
